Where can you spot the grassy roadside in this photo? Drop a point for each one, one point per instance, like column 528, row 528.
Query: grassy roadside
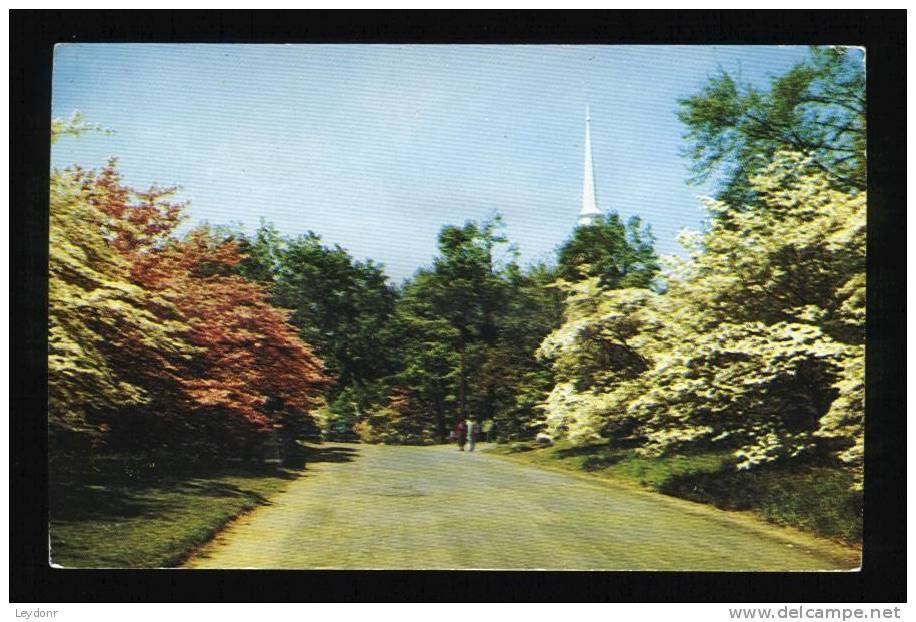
column 116, row 516
column 813, row 497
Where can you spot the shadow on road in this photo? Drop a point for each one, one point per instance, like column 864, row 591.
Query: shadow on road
column 335, row 453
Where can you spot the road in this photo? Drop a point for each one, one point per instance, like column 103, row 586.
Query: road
column 381, row 507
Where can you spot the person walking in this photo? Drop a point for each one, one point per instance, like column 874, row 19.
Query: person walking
column 461, row 433
column 473, row 429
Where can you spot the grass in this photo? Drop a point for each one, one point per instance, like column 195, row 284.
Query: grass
column 810, row 496
column 116, row 516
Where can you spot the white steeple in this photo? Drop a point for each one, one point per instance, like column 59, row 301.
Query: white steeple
column 589, row 204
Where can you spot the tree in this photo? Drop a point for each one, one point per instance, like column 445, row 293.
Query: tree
column 773, row 308
column 212, row 362
column 74, row 126
column 112, row 345
column 465, row 289
column 816, row 109
column 395, row 423
column 341, row 306
column 605, row 270
column 467, row 329
column 426, row 345
column 447, row 335
column 619, row 255
column 254, row 373
column 519, row 379
column 799, row 259
column 598, row 354
column 262, row 253
column 757, row 344
column 343, row 414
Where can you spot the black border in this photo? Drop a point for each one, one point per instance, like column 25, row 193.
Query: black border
column 33, row 34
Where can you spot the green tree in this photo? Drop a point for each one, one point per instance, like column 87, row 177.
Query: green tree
column 395, row 422
column 467, row 291
column 816, row 109
column 467, row 329
column 341, row 306
column 263, row 252
column 426, row 346
column 519, row 379
column 620, row 255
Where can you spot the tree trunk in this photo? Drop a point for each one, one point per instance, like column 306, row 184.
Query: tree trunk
column 462, row 381
column 490, row 402
column 440, row 420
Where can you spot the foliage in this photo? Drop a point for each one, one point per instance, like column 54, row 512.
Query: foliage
column 800, row 258
column 816, row 109
column 749, row 349
column 340, row 306
column 843, row 425
column 810, row 496
column 154, row 342
column 598, row 355
column 620, row 255
column 112, row 345
column 758, row 389
column 459, row 335
column 251, row 355
column 338, row 418
column 394, row 423
column 74, row 126
column 343, row 307
column 467, row 328
column 520, row 380
column 248, row 354
column 797, row 266
column 430, row 362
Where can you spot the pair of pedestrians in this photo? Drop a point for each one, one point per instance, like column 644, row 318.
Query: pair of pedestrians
column 466, row 433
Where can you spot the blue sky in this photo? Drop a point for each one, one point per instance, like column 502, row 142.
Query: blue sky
column 377, row 147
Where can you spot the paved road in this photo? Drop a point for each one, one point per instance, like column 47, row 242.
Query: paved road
column 374, row 507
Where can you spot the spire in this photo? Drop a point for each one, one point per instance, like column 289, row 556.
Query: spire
column 589, row 204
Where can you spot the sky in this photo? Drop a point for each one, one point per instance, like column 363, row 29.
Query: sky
column 376, row 147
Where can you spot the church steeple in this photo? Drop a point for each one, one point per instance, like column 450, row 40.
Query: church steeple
column 589, row 204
